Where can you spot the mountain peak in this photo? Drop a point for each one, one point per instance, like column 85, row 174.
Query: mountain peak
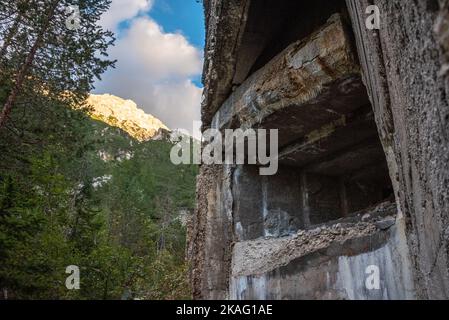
column 126, row 115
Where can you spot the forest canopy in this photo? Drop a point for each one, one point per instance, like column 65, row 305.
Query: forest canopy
column 119, row 218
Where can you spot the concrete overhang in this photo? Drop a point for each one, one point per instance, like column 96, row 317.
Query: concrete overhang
column 313, row 83
column 225, row 25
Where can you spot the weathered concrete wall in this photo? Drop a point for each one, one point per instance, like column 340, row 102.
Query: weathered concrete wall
column 225, row 22
column 334, row 269
column 404, row 71
column 265, row 206
column 251, row 235
column 441, row 29
column 210, row 233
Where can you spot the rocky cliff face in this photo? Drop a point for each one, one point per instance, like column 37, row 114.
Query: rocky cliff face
column 126, row 115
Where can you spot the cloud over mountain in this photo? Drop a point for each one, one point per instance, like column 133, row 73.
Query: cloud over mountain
column 155, row 68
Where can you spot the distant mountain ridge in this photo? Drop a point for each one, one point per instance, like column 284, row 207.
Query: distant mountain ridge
column 126, row 115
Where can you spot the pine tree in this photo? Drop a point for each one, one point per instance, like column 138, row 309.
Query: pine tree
column 55, row 47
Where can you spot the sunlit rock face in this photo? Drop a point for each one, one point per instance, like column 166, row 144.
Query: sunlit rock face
column 126, row 115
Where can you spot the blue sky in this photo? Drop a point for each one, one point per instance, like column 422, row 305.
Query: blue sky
column 159, row 49
column 185, row 16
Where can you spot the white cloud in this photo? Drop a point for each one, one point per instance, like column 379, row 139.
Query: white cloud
column 146, row 48
column 178, row 102
column 122, row 10
column 154, row 69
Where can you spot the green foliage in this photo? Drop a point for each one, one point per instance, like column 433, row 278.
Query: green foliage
column 74, row 191
column 56, row 60
column 61, row 204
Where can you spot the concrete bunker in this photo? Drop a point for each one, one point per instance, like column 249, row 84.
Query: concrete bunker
column 302, row 77
column 310, row 231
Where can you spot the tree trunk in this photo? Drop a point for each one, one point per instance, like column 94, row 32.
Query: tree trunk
column 7, row 107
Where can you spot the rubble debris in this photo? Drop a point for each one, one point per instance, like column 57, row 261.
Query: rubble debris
column 266, row 254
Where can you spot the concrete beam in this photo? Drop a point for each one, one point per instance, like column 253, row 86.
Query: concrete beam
column 312, row 82
column 349, row 160
column 330, row 138
column 225, row 25
column 285, row 269
column 264, row 255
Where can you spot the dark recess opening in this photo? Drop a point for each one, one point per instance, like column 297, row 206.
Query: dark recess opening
column 341, row 175
column 273, row 25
